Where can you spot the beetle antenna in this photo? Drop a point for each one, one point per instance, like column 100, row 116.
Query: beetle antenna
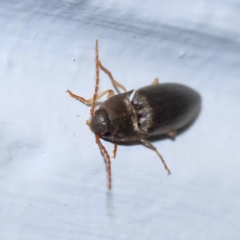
column 102, row 148
column 97, row 80
column 105, row 153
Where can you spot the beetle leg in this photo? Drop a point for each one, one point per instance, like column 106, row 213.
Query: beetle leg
column 115, row 150
column 88, row 122
column 90, row 101
column 155, row 82
column 149, row 145
column 114, row 82
column 172, row 134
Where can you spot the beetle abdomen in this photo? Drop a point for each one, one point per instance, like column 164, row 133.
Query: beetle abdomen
column 165, row 107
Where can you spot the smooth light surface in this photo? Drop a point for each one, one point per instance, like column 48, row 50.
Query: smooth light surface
column 53, row 181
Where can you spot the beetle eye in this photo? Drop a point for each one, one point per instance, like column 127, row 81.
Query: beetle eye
column 100, row 123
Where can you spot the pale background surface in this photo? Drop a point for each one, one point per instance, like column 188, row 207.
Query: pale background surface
column 53, row 181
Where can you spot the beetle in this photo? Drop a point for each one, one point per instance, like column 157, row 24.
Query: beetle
column 154, row 110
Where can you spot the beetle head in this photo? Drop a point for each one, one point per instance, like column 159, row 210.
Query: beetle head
column 100, row 123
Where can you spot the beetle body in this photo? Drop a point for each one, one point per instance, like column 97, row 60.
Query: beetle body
column 154, row 110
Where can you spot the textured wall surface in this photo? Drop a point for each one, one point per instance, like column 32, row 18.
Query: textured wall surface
column 53, row 182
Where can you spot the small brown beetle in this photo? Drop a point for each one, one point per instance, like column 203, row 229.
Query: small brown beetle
column 154, row 110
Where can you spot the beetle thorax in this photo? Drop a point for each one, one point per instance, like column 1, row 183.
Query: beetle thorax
column 116, row 120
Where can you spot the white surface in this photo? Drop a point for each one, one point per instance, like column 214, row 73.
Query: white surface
column 53, row 182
